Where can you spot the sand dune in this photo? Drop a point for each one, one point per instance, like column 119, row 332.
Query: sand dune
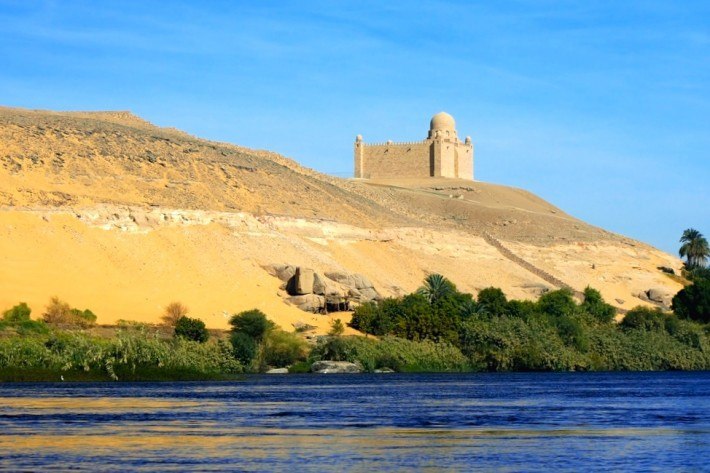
column 110, row 213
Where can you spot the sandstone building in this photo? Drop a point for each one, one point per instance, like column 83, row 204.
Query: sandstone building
column 441, row 154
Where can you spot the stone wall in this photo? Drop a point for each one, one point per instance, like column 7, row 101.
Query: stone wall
column 392, row 160
column 438, row 158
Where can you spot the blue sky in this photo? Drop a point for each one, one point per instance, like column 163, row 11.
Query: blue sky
column 601, row 107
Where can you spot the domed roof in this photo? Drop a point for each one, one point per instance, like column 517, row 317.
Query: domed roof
column 442, row 121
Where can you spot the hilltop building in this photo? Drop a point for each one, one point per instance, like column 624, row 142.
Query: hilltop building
column 441, row 154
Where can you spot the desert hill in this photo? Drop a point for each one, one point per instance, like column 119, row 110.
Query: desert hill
column 110, row 212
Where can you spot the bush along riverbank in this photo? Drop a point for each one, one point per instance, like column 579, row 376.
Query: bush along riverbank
column 436, row 329
column 554, row 333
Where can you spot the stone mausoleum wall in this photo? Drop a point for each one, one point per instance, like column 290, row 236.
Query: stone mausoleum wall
column 392, row 160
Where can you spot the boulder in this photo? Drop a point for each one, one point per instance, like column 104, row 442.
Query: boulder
column 658, row 295
column 360, row 281
column 368, row 294
column 327, row 287
column 384, row 370
column 308, row 302
column 278, row 371
column 355, row 281
column 301, row 283
column 282, row 271
column 319, row 285
column 327, row 367
column 339, row 277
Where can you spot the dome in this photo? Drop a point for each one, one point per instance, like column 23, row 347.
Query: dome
column 442, row 121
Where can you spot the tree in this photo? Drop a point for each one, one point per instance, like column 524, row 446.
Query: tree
column 173, row 312
column 693, row 302
column 251, row 322
column 191, row 329
column 436, row 287
column 557, row 303
column 244, row 347
column 19, row 313
column 643, row 318
column 595, row 306
column 695, row 249
column 57, row 312
column 492, row 301
column 336, row 328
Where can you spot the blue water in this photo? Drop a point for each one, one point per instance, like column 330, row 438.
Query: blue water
column 491, row 422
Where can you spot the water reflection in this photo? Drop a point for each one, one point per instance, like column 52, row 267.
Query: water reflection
column 362, row 423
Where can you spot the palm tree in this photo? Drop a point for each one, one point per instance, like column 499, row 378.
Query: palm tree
column 695, row 249
column 436, row 287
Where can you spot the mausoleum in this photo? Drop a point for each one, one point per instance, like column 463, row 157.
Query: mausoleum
column 441, row 154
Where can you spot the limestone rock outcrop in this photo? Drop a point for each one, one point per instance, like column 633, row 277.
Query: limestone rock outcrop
column 277, row 371
column 657, row 296
column 315, row 292
column 308, row 302
column 301, row 283
column 329, row 367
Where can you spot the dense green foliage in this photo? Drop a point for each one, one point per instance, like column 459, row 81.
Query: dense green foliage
column 435, row 329
column 281, row 349
column 244, row 347
column 19, row 313
column 258, row 344
column 553, row 333
column 693, row 302
column 191, row 329
column 394, row 353
column 132, row 354
column 251, row 322
column 18, row 318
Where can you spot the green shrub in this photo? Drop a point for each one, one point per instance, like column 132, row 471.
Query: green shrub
column 251, row 322
column 693, row 302
column 595, row 306
column 19, row 313
column 493, row 301
column 131, row 354
column 643, row 318
column 300, row 367
column 336, row 328
column 191, row 329
column 283, row 348
column 83, row 318
column 572, row 332
column 557, row 303
column 391, row 352
column 244, row 347
column 522, row 309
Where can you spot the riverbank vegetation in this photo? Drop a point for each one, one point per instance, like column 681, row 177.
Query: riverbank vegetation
column 554, row 333
column 437, row 328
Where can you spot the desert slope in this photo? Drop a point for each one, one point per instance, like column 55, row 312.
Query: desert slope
column 109, row 212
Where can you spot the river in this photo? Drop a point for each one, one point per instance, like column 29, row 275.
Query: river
column 435, row 422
